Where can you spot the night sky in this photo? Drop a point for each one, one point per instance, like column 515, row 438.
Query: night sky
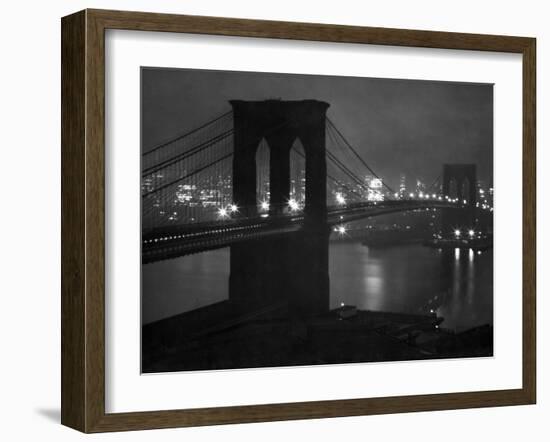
column 398, row 126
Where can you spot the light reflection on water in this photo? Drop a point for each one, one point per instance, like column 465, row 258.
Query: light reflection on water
column 457, row 285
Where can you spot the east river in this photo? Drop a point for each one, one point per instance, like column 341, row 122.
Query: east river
column 456, row 284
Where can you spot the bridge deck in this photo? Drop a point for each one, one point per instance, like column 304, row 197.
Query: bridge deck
column 174, row 241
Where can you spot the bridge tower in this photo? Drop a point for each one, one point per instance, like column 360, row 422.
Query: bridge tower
column 459, row 181
column 291, row 267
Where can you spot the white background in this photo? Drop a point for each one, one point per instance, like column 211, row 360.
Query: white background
column 29, row 326
column 128, row 391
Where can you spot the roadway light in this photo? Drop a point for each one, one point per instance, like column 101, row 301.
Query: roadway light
column 264, row 205
column 433, row 195
column 293, row 204
column 457, row 233
column 411, row 195
column 471, row 233
column 341, row 230
column 222, row 212
column 233, row 208
column 340, row 198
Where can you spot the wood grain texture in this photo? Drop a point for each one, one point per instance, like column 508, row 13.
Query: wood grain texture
column 73, row 258
column 95, row 222
column 83, row 219
column 529, row 221
column 144, row 21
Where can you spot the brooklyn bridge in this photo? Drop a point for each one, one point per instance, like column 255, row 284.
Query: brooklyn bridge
column 271, row 180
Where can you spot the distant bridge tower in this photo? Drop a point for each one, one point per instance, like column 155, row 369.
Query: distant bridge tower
column 459, row 181
column 290, row 267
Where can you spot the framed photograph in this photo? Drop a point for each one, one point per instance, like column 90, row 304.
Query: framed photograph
column 270, row 220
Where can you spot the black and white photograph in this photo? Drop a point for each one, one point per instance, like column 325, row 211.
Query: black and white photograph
column 297, row 220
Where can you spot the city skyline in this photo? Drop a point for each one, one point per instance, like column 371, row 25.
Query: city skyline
column 217, row 195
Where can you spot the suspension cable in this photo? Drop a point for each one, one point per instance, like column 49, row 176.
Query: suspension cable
column 188, row 153
column 185, row 134
column 348, row 144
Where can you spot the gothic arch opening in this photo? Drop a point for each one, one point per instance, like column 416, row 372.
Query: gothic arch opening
column 262, row 176
column 465, row 190
column 298, row 173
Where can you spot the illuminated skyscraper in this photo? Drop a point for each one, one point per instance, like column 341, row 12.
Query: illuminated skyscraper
column 375, row 190
column 420, row 186
column 402, row 185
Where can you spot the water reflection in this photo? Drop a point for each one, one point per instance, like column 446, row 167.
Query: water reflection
column 179, row 285
column 455, row 284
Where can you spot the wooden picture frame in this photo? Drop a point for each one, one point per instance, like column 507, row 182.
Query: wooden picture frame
column 83, row 218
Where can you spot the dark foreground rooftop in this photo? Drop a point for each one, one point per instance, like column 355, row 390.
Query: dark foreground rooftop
column 212, row 338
